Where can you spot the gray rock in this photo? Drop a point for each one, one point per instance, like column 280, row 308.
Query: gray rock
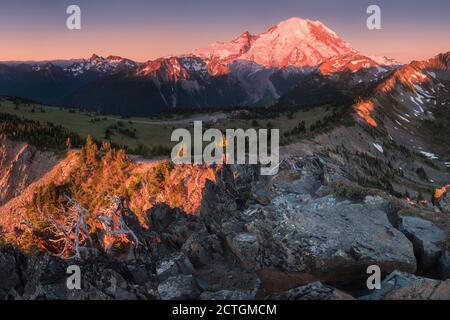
column 226, row 295
column 172, row 225
column 246, row 246
column 166, row 269
column 444, row 265
column 179, row 287
column 108, row 284
column 261, row 192
column 140, row 273
column 307, row 184
column 444, row 202
column 9, row 277
column 404, row 286
column 377, row 202
column 184, row 264
column 297, row 239
column 427, row 238
column 313, row 291
column 290, row 243
column 46, row 280
column 176, row 264
column 201, row 248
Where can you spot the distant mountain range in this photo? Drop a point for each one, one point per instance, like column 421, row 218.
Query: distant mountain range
column 60, row 62
column 250, row 70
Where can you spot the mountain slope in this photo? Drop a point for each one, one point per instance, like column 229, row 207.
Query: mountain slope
column 409, row 101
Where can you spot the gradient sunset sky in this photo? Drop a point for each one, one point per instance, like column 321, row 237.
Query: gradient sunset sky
column 144, row 30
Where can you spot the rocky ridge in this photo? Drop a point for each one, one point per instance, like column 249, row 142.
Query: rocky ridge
column 292, row 237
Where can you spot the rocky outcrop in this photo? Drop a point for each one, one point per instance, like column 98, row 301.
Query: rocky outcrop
column 178, row 264
column 102, row 279
column 300, row 238
column 293, row 236
column 443, row 201
column 20, row 165
column 427, row 238
column 444, row 265
column 172, row 225
column 323, row 239
column 403, row 286
column 10, row 271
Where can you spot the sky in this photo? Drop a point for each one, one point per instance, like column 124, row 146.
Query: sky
column 143, row 30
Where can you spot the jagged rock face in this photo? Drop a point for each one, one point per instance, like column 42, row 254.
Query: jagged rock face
column 403, row 286
column 444, row 265
column 10, row 272
column 102, row 280
column 178, row 264
column 300, row 237
column 202, row 248
column 173, row 226
column 322, row 239
column 427, row 238
column 20, row 165
column 444, row 201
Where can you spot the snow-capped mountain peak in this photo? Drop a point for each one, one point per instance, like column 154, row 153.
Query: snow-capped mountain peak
column 384, row 61
column 296, row 42
column 227, row 51
column 97, row 63
column 293, row 42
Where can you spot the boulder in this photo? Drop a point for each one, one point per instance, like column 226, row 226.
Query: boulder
column 300, row 238
column 202, row 247
column 290, row 242
column 141, row 273
column 46, row 278
column 427, row 238
column 180, row 287
column 444, row 201
column 9, row 275
column 113, row 284
column 261, row 193
column 313, row 291
column 178, row 263
column 172, row 225
column 444, row 265
column 404, row 286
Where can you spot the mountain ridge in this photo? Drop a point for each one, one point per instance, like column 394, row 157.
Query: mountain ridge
column 251, row 70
